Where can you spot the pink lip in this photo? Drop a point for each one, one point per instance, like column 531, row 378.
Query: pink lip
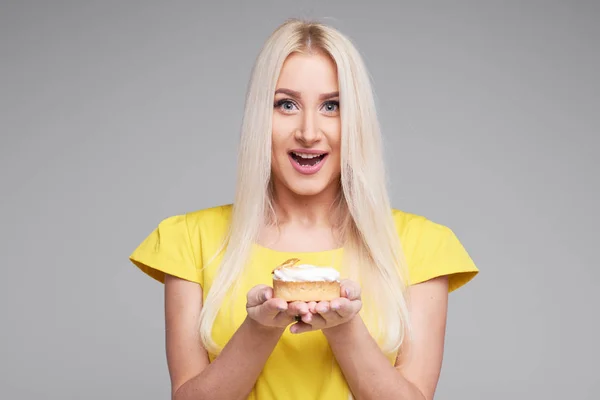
column 308, row 151
column 308, row 169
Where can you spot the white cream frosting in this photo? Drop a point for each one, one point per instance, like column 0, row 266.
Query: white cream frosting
column 306, row 273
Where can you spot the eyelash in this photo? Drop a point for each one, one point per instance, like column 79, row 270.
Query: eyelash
column 281, row 102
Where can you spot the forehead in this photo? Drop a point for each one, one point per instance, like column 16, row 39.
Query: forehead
column 309, row 73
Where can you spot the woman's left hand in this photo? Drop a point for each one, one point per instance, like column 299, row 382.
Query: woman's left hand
column 327, row 314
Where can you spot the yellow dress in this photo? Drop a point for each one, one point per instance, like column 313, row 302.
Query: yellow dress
column 300, row 366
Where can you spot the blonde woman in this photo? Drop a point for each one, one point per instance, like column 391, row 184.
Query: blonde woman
column 311, row 185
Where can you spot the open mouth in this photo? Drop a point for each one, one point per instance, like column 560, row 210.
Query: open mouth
column 307, row 160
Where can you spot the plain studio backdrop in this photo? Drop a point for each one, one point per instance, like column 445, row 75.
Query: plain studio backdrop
column 117, row 114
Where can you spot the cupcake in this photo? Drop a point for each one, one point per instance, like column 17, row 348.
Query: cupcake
column 305, row 282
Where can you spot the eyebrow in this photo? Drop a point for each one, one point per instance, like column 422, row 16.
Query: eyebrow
column 298, row 95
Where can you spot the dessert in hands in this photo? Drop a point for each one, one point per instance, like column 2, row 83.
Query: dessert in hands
column 305, row 282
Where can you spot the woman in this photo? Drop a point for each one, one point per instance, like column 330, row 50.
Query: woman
column 320, row 196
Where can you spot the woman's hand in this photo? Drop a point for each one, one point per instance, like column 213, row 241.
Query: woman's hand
column 327, row 314
column 272, row 312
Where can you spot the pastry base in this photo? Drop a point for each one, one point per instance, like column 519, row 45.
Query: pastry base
column 306, row 291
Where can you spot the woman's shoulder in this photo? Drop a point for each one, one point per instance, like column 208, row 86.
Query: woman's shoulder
column 176, row 245
column 210, row 221
column 416, row 230
column 215, row 216
column 209, row 226
column 408, row 223
column 433, row 249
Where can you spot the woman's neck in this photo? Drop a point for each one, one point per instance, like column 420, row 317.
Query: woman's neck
column 316, row 210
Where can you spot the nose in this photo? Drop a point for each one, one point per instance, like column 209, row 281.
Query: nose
column 309, row 133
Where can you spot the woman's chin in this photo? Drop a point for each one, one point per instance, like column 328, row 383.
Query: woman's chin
column 307, row 189
column 307, row 186
column 307, row 192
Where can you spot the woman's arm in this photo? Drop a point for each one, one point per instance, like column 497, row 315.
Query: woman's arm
column 370, row 374
column 234, row 372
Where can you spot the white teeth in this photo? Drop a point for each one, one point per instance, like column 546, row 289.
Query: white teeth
column 307, row 156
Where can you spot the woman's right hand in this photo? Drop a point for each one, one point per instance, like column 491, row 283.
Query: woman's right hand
column 273, row 312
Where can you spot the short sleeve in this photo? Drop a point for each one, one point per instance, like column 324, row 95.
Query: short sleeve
column 168, row 250
column 436, row 251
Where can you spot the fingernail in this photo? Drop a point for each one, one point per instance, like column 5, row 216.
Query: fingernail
column 335, row 307
column 348, row 293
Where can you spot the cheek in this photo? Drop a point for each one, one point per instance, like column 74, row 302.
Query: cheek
column 334, row 132
column 335, row 141
column 283, row 125
column 278, row 154
column 334, row 136
column 278, row 149
column 278, row 134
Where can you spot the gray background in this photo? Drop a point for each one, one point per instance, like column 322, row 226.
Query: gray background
column 117, row 114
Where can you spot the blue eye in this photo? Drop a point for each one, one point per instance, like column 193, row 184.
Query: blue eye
column 285, row 105
column 332, row 106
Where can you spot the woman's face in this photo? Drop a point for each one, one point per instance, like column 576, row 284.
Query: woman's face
column 306, row 126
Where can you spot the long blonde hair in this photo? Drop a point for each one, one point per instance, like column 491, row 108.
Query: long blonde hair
column 372, row 251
